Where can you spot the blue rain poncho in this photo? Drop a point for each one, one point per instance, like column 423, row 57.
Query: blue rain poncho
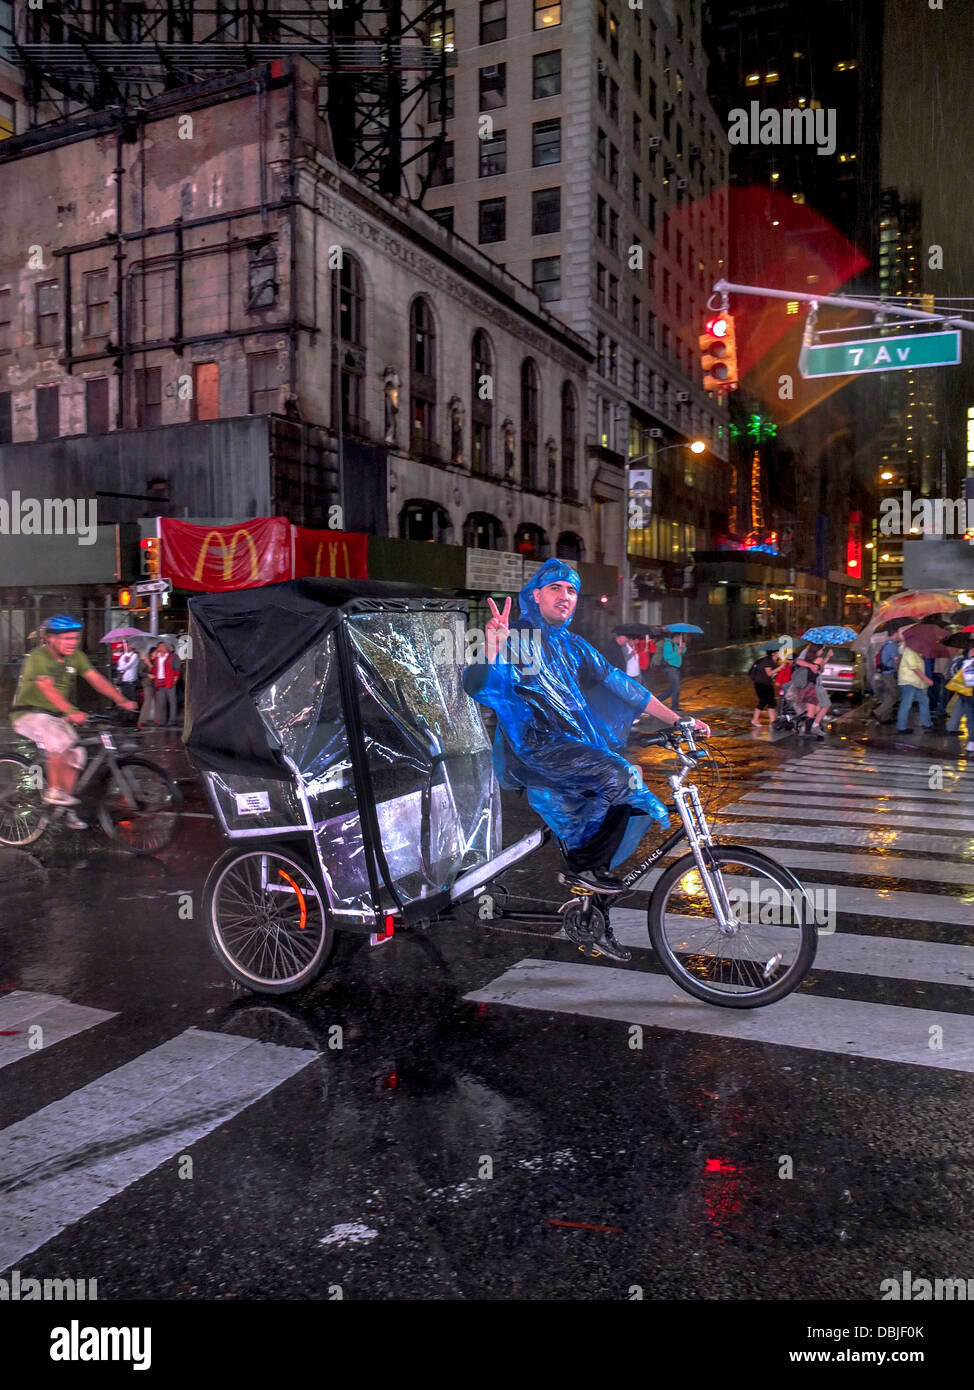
column 563, row 715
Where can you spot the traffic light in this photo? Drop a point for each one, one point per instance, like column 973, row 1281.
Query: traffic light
column 149, row 550
column 718, row 349
column 125, row 598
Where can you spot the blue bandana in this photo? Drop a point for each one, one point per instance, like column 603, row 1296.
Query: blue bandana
column 551, row 572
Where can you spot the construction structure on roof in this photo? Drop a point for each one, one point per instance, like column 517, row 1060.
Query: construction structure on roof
column 383, row 67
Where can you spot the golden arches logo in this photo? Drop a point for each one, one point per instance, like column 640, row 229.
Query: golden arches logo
column 229, row 554
column 333, row 552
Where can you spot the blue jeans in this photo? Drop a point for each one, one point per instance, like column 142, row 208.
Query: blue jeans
column 673, row 694
column 963, row 708
column 909, row 693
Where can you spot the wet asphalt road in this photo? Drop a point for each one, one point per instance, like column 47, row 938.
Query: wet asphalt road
column 412, row 1143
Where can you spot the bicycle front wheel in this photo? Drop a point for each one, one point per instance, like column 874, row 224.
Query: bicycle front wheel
column 761, row 957
column 140, row 807
column 23, row 815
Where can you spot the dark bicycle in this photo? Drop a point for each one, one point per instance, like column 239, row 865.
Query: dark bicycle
column 353, row 777
column 135, row 802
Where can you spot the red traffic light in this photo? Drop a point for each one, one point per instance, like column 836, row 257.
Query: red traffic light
column 125, row 598
column 717, row 327
column 718, row 353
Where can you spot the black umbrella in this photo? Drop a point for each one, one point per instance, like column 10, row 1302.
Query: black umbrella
column 959, row 615
column 894, row 624
column 959, row 639
column 634, row 630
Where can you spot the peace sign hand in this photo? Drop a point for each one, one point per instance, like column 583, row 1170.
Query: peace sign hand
column 497, row 630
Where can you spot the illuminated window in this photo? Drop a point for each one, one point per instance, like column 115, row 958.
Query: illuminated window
column 752, row 79
column 442, row 36
column 546, row 16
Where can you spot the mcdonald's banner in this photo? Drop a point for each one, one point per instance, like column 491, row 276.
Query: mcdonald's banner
column 330, row 554
column 217, row 558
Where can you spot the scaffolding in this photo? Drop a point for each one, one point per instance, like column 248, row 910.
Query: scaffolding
column 383, row 69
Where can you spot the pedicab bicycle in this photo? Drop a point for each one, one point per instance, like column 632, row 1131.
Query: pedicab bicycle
column 347, row 763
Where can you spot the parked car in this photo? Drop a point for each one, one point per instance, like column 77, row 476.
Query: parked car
column 845, row 674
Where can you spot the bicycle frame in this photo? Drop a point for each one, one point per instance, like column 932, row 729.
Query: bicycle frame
column 104, row 757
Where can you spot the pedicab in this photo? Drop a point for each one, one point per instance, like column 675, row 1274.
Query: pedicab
column 354, row 780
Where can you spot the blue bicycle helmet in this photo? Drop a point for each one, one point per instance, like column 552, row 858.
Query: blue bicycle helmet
column 61, row 622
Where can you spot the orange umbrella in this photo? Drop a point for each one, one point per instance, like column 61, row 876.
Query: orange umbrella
column 912, row 603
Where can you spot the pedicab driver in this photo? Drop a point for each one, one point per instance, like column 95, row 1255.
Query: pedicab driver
column 563, row 717
column 42, row 711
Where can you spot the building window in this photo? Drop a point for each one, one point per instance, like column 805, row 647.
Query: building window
column 443, row 37
column 600, row 283
column 545, row 143
column 7, row 118
column 570, row 547
column 148, row 396
column 601, row 215
column 613, row 36
column 206, row 391
column 152, row 304
column 614, row 100
column 264, row 380
column 348, row 317
column 603, row 90
column 600, row 353
column 613, row 166
column 637, row 379
column 493, row 87
column 441, row 169
column 545, row 211
column 6, row 418
column 422, row 380
column 97, row 309
column 529, row 423
column 637, row 195
column 601, row 152
column 493, row 220
column 637, row 134
column 444, row 216
column 481, row 405
column 546, row 278
column 493, row 21
column 262, row 277
column 636, row 314
column 441, row 101
column 637, row 73
column 613, row 361
column 493, row 155
column 531, row 541
column 614, row 296
column 96, row 405
column 613, row 230
column 423, row 520
column 652, row 212
column 483, row 531
column 47, row 315
column 5, row 344
column 652, row 98
column 47, row 403
column 602, row 19
column 546, row 16
column 546, row 75
column 569, row 441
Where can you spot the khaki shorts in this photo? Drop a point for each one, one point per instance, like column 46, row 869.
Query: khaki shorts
column 52, row 734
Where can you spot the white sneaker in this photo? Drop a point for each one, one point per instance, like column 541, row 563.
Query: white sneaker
column 969, row 748
column 53, row 796
column 74, row 822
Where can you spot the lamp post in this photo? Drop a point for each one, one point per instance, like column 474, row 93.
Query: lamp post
column 696, row 446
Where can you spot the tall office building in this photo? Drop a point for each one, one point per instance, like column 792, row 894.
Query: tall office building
column 583, row 154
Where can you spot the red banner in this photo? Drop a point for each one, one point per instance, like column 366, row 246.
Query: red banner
column 330, row 554
column 215, row 559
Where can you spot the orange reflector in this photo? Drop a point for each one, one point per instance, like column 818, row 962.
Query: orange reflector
column 301, row 903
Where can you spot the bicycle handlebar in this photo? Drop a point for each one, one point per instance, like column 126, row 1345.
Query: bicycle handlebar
column 681, row 732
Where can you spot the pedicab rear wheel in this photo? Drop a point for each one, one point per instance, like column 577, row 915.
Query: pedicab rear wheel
column 267, row 921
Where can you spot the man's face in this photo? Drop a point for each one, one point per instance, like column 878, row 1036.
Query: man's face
column 63, row 644
column 556, row 602
column 622, row 641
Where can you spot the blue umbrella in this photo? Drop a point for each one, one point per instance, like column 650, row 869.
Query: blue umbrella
column 683, row 627
column 829, row 635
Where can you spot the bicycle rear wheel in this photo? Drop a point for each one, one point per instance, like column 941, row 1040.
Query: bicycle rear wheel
column 773, row 943
column 266, row 920
column 23, row 815
column 139, row 811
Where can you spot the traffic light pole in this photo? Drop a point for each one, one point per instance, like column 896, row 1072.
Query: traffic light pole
column 878, row 306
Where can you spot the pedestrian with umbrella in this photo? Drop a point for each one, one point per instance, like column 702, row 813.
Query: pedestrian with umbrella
column 914, row 684
column 674, row 646
column 762, row 675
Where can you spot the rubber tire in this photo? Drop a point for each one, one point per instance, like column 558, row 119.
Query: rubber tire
column 108, row 825
column 44, row 820
column 295, row 860
column 739, row 854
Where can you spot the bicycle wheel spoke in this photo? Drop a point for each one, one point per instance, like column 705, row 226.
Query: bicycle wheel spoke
column 268, row 918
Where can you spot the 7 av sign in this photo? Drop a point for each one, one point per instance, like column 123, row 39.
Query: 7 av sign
column 880, row 355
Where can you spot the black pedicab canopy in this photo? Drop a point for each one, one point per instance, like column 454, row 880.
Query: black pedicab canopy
column 336, row 707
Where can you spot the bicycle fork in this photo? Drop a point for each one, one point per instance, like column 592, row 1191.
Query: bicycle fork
column 687, row 800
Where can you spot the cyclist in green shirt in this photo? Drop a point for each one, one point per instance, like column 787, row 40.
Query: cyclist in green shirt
column 43, row 710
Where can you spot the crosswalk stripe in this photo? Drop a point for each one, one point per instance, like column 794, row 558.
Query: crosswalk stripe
column 890, row 903
column 864, row 809
column 906, row 764
column 886, row 957
column 885, row 1032
column 65, row 1160
column 885, row 866
column 897, row 774
column 22, row 1012
column 842, row 835
column 838, row 784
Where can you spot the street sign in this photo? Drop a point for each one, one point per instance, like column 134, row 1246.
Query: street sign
column 890, row 354
column 154, row 586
